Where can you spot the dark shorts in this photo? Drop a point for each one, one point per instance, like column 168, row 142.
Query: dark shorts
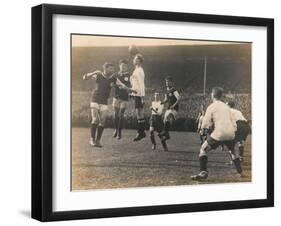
column 139, row 102
column 156, row 122
column 243, row 130
column 215, row 143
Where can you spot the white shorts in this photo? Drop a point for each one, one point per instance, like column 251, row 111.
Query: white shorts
column 118, row 103
column 171, row 112
column 100, row 107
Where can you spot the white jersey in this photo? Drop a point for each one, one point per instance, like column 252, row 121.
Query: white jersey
column 157, row 108
column 237, row 115
column 137, row 82
column 219, row 115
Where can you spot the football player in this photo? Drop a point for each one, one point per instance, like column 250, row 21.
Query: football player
column 156, row 122
column 243, row 128
column 104, row 81
column 172, row 98
column 219, row 116
column 121, row 96
column 200, row 130
column 138, row 87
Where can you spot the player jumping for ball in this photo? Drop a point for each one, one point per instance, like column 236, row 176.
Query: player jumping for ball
column 156, row 122
column 218, row 114
column 99, row 106
column 138, row 86
column 120, row 99
column 172, row 98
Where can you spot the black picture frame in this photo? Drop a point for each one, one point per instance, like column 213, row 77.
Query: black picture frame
column 42, row 107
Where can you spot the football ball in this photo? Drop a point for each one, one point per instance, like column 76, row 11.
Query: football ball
column 133, row 50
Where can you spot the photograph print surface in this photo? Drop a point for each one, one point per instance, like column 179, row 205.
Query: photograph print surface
column 159, row 112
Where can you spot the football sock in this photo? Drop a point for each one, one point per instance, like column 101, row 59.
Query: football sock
column 116, row 120
column 152, row 138
column 99, row 132
column 141, row 124
column 203, row 162
column 237, row 164
column 241, row 151
column 120, row 123
column 120, row 126
column 93, row 131
column 164, row 145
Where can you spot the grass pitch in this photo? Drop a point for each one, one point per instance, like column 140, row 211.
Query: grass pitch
column 124, row 163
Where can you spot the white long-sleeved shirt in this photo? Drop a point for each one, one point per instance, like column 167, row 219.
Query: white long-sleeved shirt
column 219, row 115
column 158, row 107
column 137, row 82
column 237, row 115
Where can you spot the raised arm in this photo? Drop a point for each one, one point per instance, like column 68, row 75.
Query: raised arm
column 91, row 75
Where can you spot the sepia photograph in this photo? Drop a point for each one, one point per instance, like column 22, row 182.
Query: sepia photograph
column 140, row 112
column 159, row 112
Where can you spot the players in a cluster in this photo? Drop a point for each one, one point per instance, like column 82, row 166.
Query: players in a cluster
column 218, row 115
column 125, row 85
column 99, row 103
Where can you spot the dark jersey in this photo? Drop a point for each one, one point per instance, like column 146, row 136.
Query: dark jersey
column 171, row 98
column 102, row 90
column 121, row 93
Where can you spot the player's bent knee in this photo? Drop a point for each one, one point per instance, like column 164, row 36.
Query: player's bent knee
column 202, row 153
column 166, row 118
column 234, row 156
column 205, row 148
column 101, row 124
column 171, row 119
column 240, row 144
column 94, row 120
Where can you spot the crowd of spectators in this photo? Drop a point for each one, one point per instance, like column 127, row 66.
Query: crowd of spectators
column 186, row 121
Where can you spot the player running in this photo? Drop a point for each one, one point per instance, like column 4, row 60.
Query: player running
column 243, row 128
column 138, row 86
column 99, row 106
column 120, row 99
column 172, row 98
column 156, row 122
column 219, row 115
